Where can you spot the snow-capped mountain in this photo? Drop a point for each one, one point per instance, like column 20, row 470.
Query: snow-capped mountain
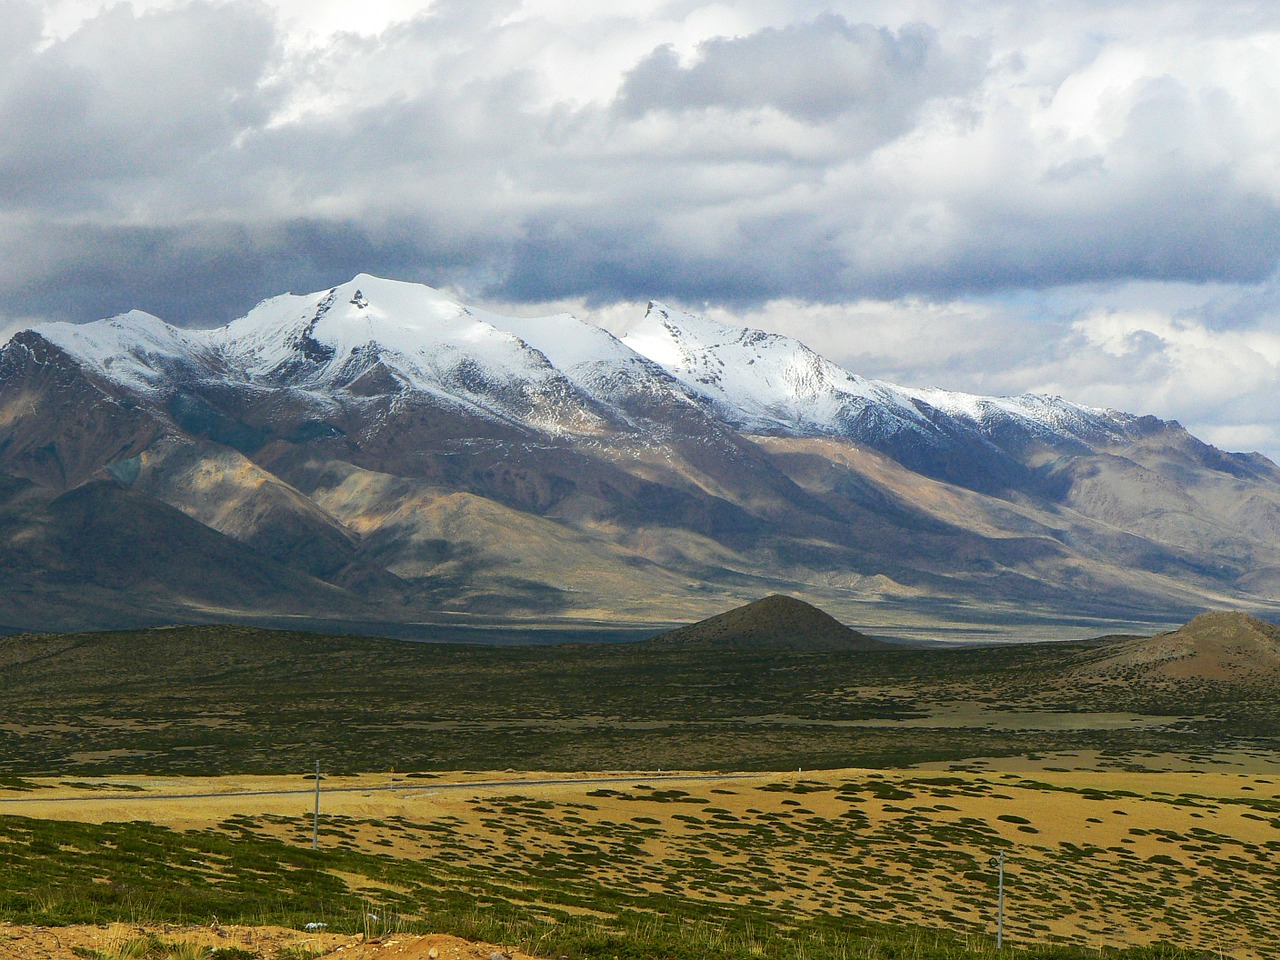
column 137, row 351
column 393, row 452
column 377, row 338
column 766, row 383
column 771, row 384
column 340, row 343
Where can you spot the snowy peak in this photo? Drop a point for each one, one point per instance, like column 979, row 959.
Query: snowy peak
column 566, row 341
column 771, row 383
column 135, row 350
column 374, row 338
column 635, row 390
column 367, row 337
column 408, row 323
column 553, row 373
column 763, row 381
column 371, row 334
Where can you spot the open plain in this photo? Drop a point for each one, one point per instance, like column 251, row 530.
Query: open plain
column 1094, row 859
column 783, row 804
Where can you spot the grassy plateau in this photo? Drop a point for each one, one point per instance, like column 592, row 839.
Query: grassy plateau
column 160, row 777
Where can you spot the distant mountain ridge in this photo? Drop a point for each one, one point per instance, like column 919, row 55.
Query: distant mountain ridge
column 387, row 452
column 770, row 384
column 766, row 383
column 559, row 374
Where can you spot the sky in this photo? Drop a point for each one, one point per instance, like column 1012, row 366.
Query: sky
column 1073, row 197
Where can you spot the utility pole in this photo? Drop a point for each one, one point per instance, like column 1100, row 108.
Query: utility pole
column 998, row 863
column 315, row 820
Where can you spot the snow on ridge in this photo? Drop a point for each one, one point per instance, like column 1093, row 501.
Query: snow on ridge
column 106, row 339
column 429, row 342
column 769, row 382
column 557, row 364
column 564, row 340
column 403, row 319
column 553, row 372
column 136, row 349
column 980, row 407
column 405, row 323
column 602, row 366
column 1039, row 412
column 765, row 380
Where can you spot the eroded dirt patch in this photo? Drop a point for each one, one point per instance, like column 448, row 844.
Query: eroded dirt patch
column 18, row 942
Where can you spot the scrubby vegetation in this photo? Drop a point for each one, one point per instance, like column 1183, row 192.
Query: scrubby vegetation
column 228, row 699
column 58, row 873
column 810, row 869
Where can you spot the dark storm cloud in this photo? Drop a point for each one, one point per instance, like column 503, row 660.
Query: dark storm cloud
column 1182, row 233
column 208, row 275
column 642, row 259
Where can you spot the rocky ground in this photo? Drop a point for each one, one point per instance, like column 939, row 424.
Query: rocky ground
column 108, row 942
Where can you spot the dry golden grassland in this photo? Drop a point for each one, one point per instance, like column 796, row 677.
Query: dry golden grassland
column 1132, row 808
column 1093, row 858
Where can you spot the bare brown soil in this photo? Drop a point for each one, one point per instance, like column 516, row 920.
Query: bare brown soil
column 61, row 943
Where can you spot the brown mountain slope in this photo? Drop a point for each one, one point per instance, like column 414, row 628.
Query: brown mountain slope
column 102, row 555
column 413, row 501
column 1224, row 647
column 774, row 623
column 58, row 424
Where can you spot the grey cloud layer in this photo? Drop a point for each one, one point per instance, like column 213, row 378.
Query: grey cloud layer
column 123, row 108
column 188, row 160
column 817, row 72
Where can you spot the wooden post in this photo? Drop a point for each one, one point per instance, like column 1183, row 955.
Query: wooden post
column 315, row 820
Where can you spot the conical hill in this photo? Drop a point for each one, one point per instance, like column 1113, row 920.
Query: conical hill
column 776, row 622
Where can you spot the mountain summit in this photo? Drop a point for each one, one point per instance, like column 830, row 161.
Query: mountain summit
column 384, row 452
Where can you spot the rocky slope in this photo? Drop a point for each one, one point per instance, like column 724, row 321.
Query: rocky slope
column 379, row 452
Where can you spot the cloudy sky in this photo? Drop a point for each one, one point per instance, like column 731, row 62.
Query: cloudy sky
column 1075, row 197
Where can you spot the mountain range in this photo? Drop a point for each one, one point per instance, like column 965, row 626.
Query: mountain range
column 379, row 453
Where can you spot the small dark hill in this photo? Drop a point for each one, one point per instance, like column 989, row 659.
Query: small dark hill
column 1226, row 647
column 775, row 623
